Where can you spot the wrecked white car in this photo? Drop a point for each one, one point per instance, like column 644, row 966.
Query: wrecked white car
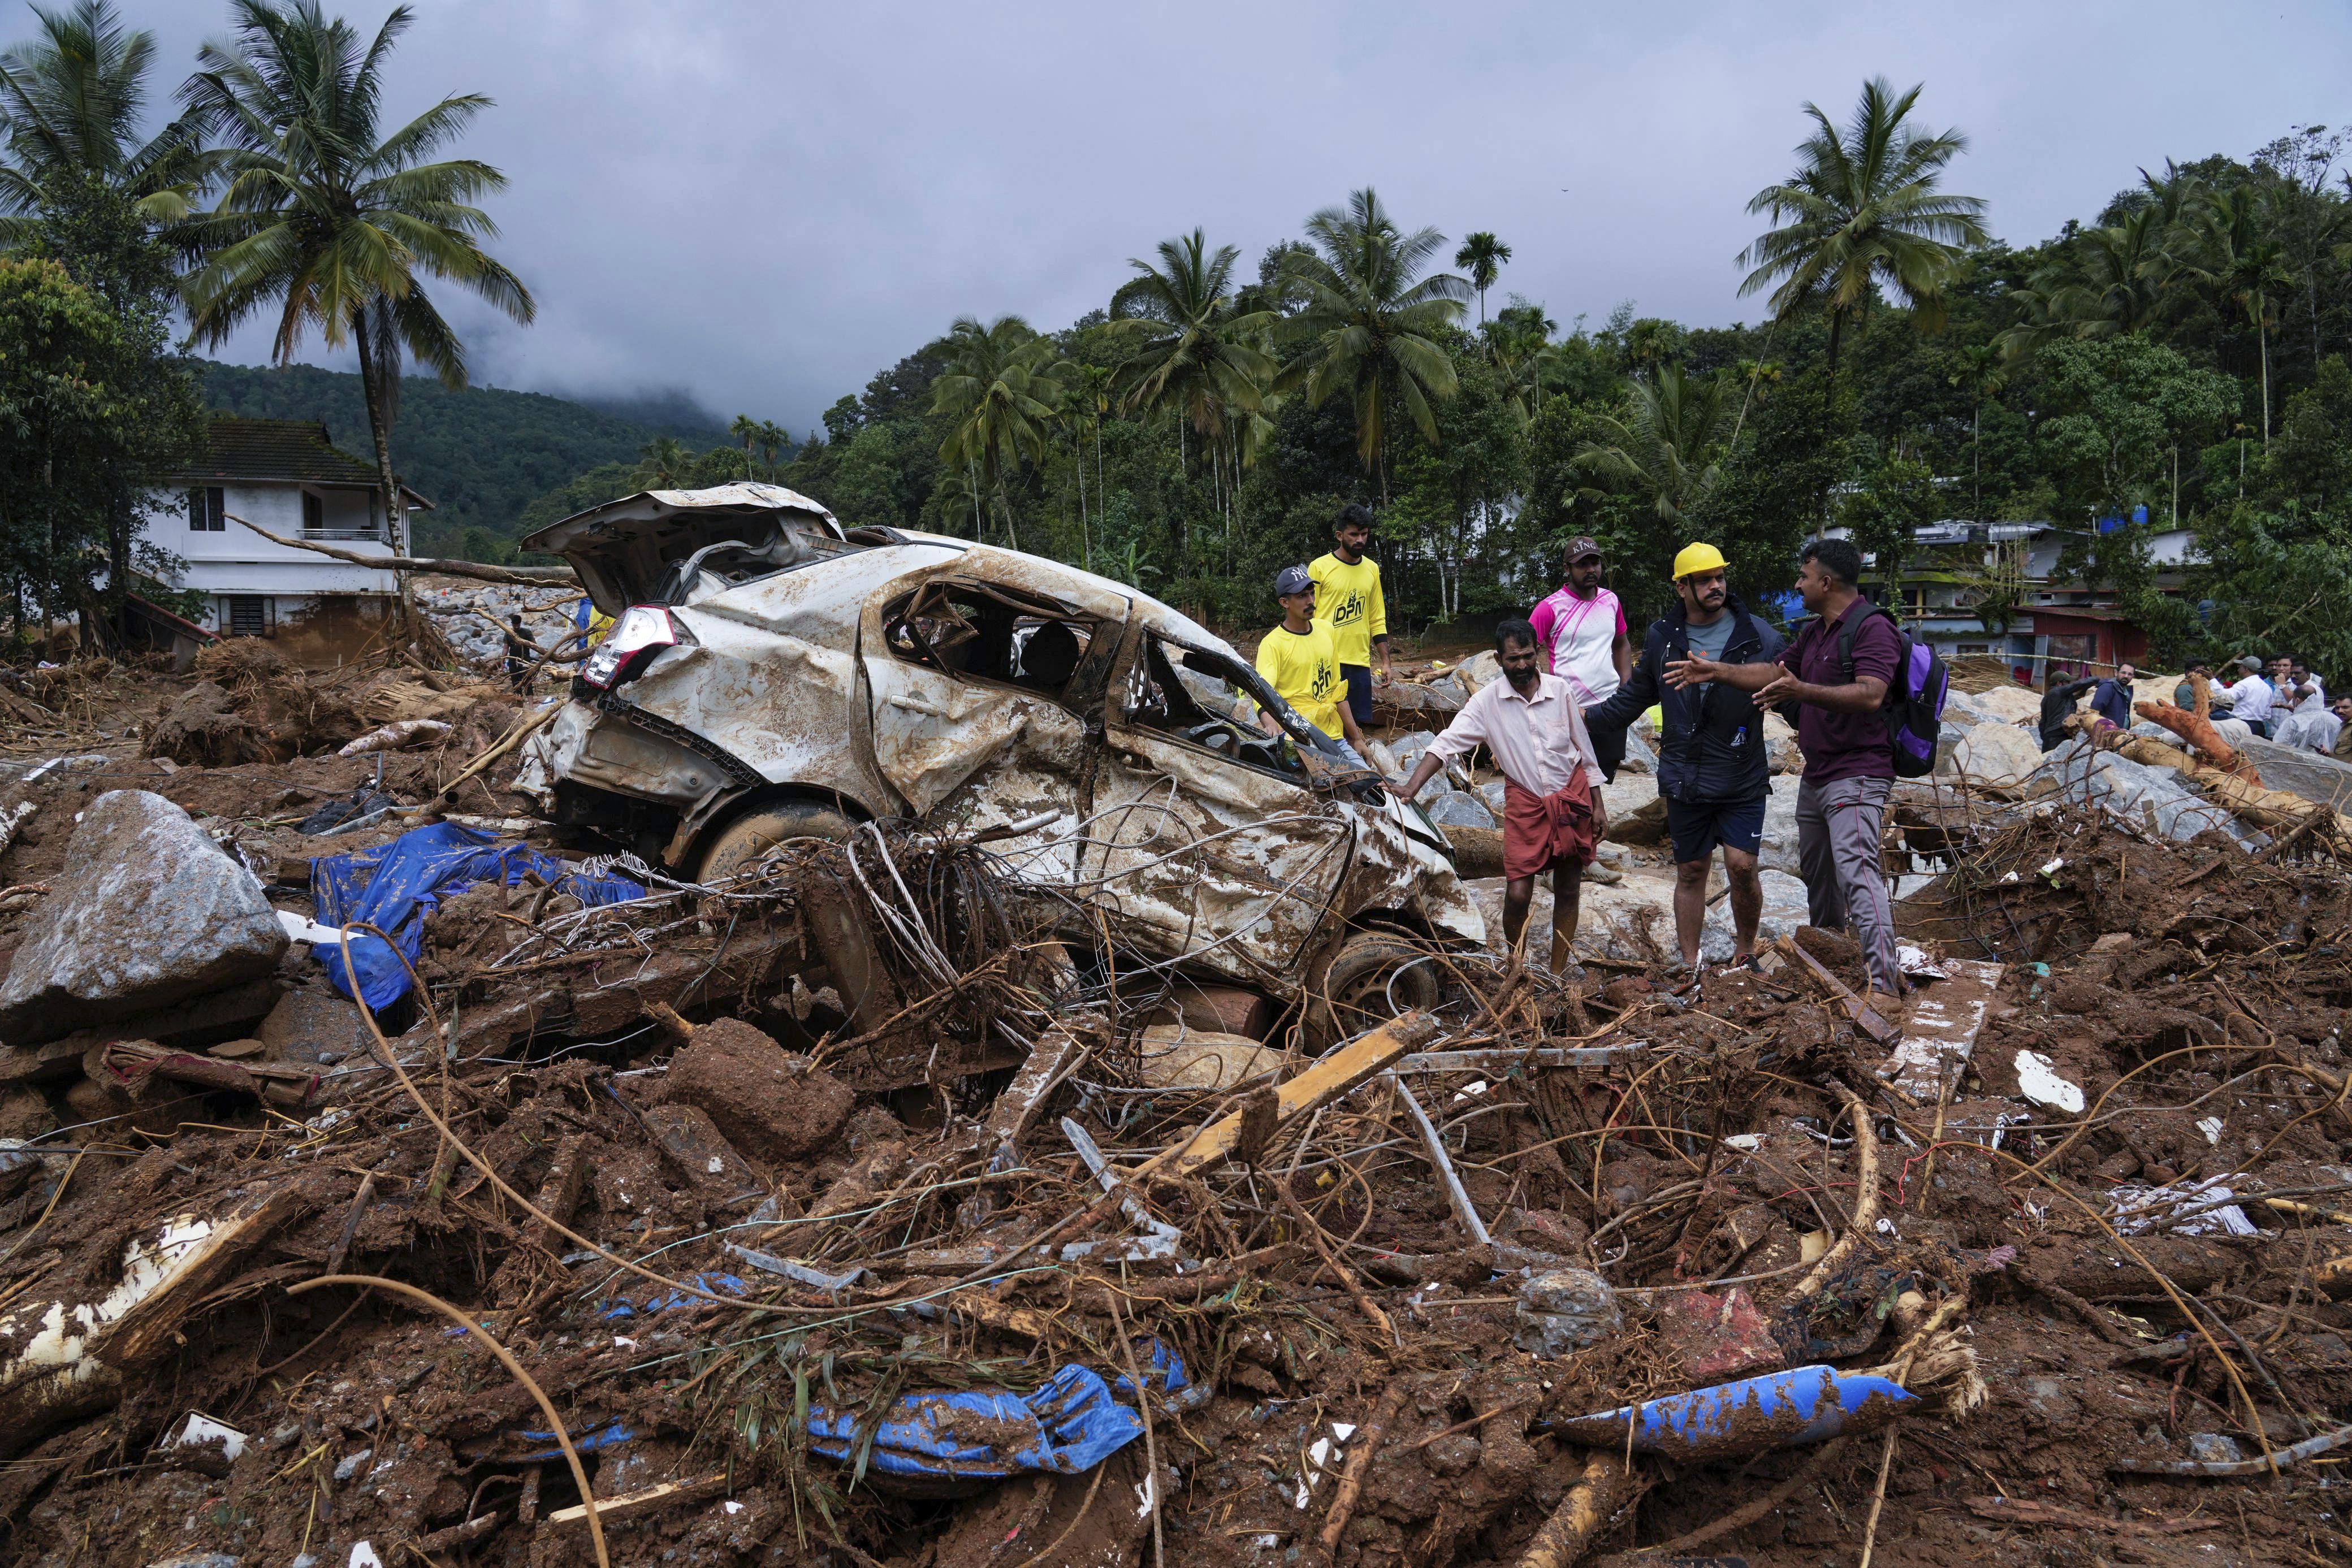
column 772, row 676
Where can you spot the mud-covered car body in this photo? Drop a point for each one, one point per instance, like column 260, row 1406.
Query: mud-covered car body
column 907, row 675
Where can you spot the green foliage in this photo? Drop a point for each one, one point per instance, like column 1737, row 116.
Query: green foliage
column 2117, row 410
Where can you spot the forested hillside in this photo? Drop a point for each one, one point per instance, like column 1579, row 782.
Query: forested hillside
column 481, row 454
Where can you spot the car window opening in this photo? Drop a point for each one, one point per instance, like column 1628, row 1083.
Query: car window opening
column 971, row 630
column 1197, row 696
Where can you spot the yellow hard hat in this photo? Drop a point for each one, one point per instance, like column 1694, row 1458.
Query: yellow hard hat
column 1696, row 558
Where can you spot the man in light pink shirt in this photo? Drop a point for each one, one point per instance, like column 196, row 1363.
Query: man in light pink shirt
column 1582, row 630
column 1553, row 817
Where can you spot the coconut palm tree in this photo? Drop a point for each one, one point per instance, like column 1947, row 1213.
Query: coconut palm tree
column 1667, row 442
column 329, row 222
column 1366, row 315
column 1201, row 364
column 1863, row 211
column 2235, row 252
column 662, row 464
column 1481, row 256
column 70, row 105
column 1000, row 389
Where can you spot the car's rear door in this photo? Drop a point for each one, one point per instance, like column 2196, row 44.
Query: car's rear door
column 971, row 723
column 1210, row 842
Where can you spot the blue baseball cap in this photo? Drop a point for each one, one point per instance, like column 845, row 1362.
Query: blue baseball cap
column 1292, row 580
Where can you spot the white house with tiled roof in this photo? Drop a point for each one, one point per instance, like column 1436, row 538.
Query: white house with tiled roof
column 287, row 476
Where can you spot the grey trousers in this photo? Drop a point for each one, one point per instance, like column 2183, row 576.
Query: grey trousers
column 1837, row 848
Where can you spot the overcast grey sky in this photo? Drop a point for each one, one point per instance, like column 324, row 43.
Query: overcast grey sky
column 763, row 204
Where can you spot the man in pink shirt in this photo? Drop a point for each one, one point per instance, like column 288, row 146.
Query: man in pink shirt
column 1553, row 816
column 1581, row 631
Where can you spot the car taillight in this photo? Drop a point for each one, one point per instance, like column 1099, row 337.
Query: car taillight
column 644, row 631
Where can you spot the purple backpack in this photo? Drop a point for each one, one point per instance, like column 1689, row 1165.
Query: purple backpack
column 1914, row 705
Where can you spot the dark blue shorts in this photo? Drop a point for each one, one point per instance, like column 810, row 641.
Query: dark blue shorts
column 1697, row 826
column 1360, row 691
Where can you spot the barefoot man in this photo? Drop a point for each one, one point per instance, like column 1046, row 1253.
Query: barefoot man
column 1553, row 817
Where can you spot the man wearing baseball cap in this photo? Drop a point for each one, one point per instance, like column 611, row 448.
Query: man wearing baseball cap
column 1301, row 660
column 1582, row 630
column 1712, row 771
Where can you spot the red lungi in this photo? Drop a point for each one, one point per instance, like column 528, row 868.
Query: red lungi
column 1544, row 832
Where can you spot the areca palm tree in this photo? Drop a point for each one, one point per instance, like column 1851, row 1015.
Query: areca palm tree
column 1667, row 443
column 1367, row 313
column 1481, row 256
column 746, row 430
column 773, row 439
column 1000, row 389
column 71, row 104
column 1863, row 210
column 328, row 221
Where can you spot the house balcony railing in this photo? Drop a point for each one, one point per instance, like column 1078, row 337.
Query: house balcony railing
column 371, row 536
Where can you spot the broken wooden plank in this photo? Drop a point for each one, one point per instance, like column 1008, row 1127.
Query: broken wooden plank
column 1946, row 1017
column 652, row 1498
column 1336, row 1074
column 1056, row 1055
column 1869, row 1023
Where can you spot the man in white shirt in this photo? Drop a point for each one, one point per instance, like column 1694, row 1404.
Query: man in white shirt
column 2250, row 696
column 1553, row 816
column 2306, row 723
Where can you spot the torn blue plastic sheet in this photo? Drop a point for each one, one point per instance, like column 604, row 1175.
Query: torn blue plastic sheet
column 1067, row 1425
column 663, row 1301
column 1778, row 1410
column 394, row 885
column 584, row 1441
column 1164, row 1369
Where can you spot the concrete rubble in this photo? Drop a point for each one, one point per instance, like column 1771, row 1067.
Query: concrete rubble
column 850, row 1209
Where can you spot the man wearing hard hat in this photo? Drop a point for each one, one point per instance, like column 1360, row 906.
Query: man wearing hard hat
column 1712, row 770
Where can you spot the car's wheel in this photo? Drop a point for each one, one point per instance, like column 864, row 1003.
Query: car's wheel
column 1373, row 977
column 743, row 841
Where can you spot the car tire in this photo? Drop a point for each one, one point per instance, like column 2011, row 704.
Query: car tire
column 743, row 841
column 1373, row 976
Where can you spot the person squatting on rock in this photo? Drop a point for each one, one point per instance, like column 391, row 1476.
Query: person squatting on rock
column 1301, row 660
column 1581, row 627
column 1849, row 758
column 1553, row 816
column 2057, row 708
column 1712, row 770
column 1347, row 599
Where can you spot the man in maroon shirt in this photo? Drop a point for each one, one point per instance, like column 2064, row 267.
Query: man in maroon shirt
column 1849, row 761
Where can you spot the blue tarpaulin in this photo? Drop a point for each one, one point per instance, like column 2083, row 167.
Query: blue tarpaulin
column 1778, row 1410
column 392, row 885
column 1067, row 1426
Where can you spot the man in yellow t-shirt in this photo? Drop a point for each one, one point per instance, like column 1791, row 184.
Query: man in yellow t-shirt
column 1348, row 595
column 1299, row 659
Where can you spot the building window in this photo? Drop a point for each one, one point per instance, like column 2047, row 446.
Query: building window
column 204, row 510
column 248, row 615
column 314, row 514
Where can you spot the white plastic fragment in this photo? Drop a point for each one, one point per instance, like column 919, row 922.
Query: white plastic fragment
column 2211, row 1128
column 196, row 1428
column 363, row 1556
column 2038, row 1080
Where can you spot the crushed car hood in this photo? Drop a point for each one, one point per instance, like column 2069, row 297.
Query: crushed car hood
column 643, row 548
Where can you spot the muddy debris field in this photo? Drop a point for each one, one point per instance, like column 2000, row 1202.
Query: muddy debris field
column 593, row 1231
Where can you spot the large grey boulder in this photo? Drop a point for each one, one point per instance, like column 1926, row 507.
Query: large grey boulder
column 149, row 913
column 2309, row 774
column 2150, row 797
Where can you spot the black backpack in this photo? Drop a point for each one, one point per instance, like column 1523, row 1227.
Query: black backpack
column 1914, row 705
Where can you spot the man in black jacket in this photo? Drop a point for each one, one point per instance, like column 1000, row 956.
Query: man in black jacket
column 1712, row 770
column 2058, row 706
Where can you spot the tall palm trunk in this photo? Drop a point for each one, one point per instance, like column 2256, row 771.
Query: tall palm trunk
column 2262, row 337
column 395, row 514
